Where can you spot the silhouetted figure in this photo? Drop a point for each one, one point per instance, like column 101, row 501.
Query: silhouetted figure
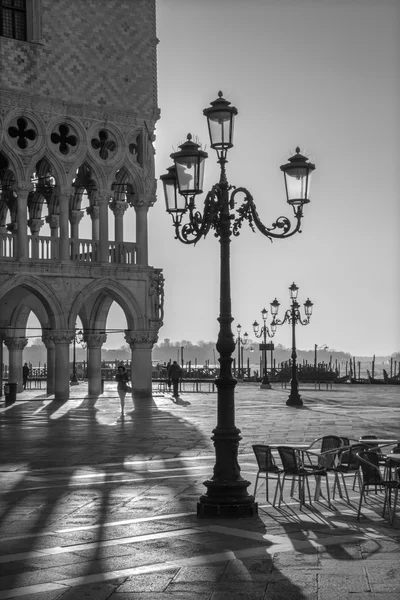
column 25, row 374
column 175, row 374
column 122, row 378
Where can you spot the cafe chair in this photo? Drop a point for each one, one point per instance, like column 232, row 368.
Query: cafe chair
column 266, row 466
column 373, row 447
column 372, row 476
column 325, row 449
column 348, row 465
column 293, row 467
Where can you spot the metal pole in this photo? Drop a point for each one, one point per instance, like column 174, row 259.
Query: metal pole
column 238, row 367
column 226, row 491
column 294, row 396
column 265, row 381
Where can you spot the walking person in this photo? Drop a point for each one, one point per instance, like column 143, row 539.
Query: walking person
column 25, row 374
column 122, row 378
column 175, row 374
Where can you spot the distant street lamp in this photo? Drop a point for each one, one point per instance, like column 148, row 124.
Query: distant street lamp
column 264, row 332
column 292, row 315
column 316, row 347
column 226, row 491
column 241, row 343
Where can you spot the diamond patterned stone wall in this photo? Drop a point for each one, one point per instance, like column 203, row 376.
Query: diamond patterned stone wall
column 96, row 52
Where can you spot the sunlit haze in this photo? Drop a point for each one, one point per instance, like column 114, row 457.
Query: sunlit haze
column 321, row 75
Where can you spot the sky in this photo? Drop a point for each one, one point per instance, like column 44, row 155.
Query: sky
column 320, row 74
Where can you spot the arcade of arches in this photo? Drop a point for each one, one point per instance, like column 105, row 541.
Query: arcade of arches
column 52, row 175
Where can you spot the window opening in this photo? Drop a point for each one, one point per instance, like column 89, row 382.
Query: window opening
column 13, row 19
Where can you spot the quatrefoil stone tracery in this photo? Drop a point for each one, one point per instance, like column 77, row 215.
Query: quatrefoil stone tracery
column 105, row 145
column 64, row 139
column 22, row 133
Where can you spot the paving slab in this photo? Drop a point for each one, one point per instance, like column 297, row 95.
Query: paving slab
column 100, row 507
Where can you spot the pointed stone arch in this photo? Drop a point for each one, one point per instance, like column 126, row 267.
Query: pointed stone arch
column 84, row 183
column 45, row 184
column 10, row 292
column 127, row 182
column 93, row 303
column 7, row 195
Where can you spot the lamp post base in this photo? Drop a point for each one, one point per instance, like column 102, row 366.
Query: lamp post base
column 265, row 386
column 227, row 501
column 294, row 400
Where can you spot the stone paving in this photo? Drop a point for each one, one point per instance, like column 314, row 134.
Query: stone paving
column 102, row 508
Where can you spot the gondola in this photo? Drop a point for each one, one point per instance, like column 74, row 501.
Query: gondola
column 375, row 381
column 343, row 379
column 391, row 380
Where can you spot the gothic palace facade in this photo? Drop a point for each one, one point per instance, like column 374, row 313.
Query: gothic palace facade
column 78, row 108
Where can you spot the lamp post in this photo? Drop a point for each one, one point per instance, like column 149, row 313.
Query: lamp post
column 316, row 347
column 241, row 343
column 226, row 490
column 292, row 316
column 264, row 332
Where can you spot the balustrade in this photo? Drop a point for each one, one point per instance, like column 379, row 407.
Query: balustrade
column 80, row 250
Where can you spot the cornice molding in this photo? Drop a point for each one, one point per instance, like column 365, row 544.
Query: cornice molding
column 49, row 107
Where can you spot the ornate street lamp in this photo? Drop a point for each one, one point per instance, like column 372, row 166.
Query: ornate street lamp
column 292, row 316
column 241, row 343
column 316, row 347
column 226, row 490
column 264, row 332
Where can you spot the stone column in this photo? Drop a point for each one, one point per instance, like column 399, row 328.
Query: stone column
column 94, row 343
column 75, row 217
column 63, row 200
column 51, row 363
column 141, row 211
column 118, row 207
column 23, row 188
column 103, row 198
column 94, row 212
column 141, row 344
column 35, row 226
column 1, row 365
column 54, row 223
column 62, row 340
column 15, row 347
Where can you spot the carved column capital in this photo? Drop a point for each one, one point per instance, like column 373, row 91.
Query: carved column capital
column 103, row 196
column 22, row 187
column 14, row 343
column 95, row 340
column 35, row 225
column 62, row 336
column 12, row 227
column 118, row 207
column 93, row 211
column 141, row 339
column 53, row 221
column 75, row 216
column 48, row 341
